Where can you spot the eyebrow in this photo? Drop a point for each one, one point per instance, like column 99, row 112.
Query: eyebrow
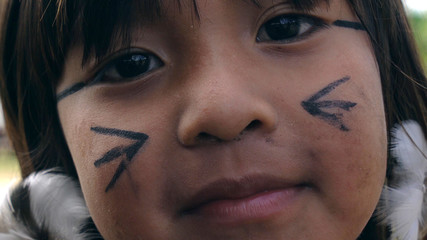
column 301, row 5
column 306, row 5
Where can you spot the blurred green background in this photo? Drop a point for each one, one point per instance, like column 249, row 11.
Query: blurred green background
column 419, row 25
column 9, row 170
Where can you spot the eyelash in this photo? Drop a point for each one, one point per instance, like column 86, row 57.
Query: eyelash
column 282, row 29
column 289, row 28
column 128, row 67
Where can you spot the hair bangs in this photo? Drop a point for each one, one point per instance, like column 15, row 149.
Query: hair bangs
column 107, row 23
column 103, row 25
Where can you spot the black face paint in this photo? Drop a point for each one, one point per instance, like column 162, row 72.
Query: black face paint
column 314, row 106
column 79, row 86
column 67, row 92
column 128, row 152
column 348, row 24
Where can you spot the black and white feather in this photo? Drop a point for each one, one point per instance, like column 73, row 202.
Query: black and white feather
column 402, row 203
column 47, row 206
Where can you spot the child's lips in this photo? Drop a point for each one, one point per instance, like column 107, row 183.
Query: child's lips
column 230, row 201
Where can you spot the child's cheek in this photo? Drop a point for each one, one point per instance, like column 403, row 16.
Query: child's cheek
column 349, row 166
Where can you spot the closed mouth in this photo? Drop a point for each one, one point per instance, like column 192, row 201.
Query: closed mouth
column 248, row 198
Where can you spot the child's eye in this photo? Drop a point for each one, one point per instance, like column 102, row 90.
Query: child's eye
column 289, row 28
column 128, row 67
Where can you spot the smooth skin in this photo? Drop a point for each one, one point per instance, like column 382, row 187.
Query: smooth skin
column 224, row 106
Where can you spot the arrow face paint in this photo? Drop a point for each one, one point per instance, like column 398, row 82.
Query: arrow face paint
column 316, row 107
column 126, row 153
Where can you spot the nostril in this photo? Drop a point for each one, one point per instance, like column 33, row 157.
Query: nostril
column 206, row 137
column 253, row 125
column 210, row 138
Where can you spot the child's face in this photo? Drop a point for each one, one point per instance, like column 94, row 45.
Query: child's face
column 231, row 127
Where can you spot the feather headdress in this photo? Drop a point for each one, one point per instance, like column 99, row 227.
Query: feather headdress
column 402, row 202
column 46, row 205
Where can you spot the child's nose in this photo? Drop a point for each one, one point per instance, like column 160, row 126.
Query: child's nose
column 222, row 105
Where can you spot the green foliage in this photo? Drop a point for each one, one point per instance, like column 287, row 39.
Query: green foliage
column 419, row 26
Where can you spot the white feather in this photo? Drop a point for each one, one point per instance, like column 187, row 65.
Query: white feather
column 4, row 236
column 410, row 151
column 57, row 202
column 8, row 224
column 401, row 204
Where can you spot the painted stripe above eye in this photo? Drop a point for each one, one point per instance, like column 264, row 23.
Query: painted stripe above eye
column 71, row 90
column 349, row 24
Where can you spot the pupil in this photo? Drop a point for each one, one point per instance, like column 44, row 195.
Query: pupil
column 280, row 28
column 133, row 65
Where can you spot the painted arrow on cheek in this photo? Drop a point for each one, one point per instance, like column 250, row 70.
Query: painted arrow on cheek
column 315, row 107
column 127, row 153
